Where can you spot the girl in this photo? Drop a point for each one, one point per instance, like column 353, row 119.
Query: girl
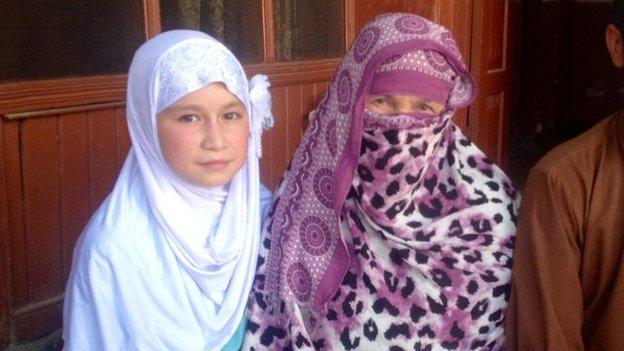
column 167, row 261
column 390, row 230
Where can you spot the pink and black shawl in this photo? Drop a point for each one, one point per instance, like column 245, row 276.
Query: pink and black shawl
column 388, row 230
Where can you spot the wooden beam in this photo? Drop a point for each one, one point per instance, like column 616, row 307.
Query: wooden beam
column 349, row 23
column 151, row 17
column 268, row 31
column 5, row 272
column 58, row 93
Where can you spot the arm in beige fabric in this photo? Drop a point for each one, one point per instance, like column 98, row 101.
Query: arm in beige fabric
column 546, row 307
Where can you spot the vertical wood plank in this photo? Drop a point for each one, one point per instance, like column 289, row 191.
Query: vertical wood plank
column 350, row 17
column 151, row 18
column 367, row 10
column 492, row 72
column 309, row 99
column 102, row 154
column 279, row 135
column 74, row 181
column 295, row 118
column 40, row 160
column 273, row 139
column 268, row 31
column 424, row 8
column 17, row 243
column 123, row 137
column 5, row 273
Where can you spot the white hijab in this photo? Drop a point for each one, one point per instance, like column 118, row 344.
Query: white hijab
column 164, row 264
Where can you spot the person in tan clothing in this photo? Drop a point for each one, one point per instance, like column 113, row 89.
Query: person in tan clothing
column 568, row 274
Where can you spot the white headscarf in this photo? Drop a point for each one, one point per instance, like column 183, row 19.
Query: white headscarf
column 164, row 264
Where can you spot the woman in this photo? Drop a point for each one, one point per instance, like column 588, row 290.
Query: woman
column 390, row 229
column 167, row 261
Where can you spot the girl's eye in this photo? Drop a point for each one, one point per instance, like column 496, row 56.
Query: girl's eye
column 231, row 116
column 189, row 118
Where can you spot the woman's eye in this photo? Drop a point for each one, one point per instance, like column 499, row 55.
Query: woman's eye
column 230, row 116
column 380, row 102
column 426, row 108
column 189, row 118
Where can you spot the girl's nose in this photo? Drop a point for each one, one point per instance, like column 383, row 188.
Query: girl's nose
column 212, row 138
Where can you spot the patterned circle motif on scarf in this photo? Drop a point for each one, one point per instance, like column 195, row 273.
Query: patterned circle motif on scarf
column 416, row 242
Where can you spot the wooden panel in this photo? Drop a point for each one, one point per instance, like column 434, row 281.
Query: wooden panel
column 13, row 174
column 102, row 155
column 74, row 181
column 294, row 116
column 40, row 162
column 268, row 30
column 151, row 13
column 123, row 138
column 38, row 322
column 48, row 94
column 496, row 26
column 487, row 121
column 366, row 10
column 291, row 106
column 275, row 155
column 495, row 108
column 5, row 273
column 289, row 73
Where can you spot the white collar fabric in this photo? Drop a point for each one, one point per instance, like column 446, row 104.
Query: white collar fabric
column 206, row 238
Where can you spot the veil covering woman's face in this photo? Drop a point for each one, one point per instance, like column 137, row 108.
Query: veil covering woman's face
column 390, row 226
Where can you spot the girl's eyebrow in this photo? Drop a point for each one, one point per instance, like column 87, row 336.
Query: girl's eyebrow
column 194, row 107
column 232, row 104
column 179, row 108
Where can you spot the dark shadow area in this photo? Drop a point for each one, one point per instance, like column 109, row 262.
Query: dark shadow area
column 564, row 81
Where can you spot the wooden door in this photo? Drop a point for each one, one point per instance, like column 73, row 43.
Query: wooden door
column 488, row 117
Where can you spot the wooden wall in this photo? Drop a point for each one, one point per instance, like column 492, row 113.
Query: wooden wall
column 58, row 170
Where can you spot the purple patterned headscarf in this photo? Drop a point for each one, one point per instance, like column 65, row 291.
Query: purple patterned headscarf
column 308, row 256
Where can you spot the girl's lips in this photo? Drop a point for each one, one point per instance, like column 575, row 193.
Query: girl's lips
column 216, row 164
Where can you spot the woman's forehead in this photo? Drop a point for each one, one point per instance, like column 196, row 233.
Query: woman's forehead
column 401, row 97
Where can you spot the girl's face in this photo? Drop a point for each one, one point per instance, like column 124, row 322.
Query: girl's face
column 397, row 104
column 204, row 135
